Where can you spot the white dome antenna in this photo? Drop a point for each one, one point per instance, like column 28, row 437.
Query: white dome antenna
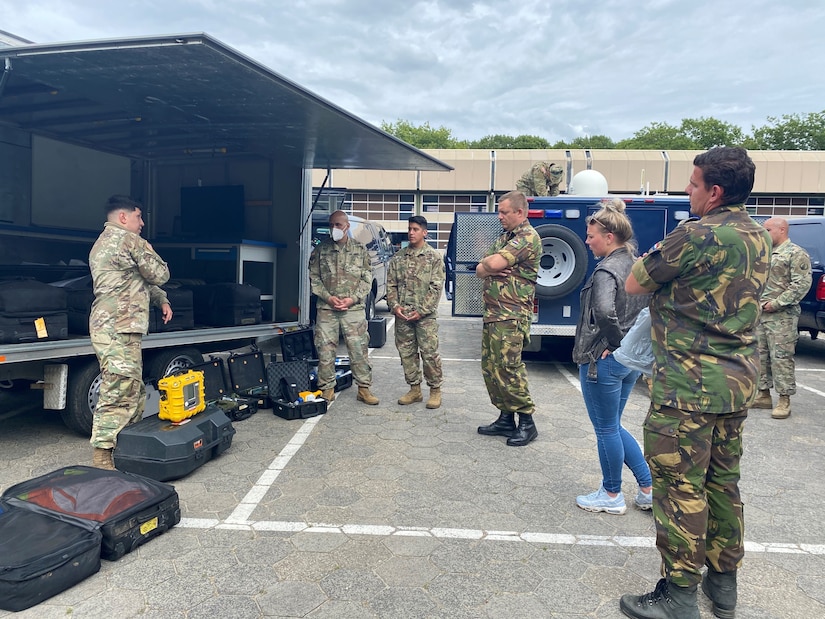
column 588, row 183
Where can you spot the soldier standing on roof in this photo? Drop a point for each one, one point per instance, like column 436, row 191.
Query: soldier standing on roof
column 543, row 179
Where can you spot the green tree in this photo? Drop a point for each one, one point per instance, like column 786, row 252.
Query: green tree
column 422, row 136
column 506, row 141
column 709, row 132
column 791, row 132
column 657, row 136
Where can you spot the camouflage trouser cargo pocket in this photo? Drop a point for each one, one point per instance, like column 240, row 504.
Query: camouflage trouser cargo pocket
column 661, row 438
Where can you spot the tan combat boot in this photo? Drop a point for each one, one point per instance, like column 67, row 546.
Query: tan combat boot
column 434, row 400
column 413, row 395
column 328, row 395
column 365, row 396
column 783, row 408
column 103, row 459
column 763, row 400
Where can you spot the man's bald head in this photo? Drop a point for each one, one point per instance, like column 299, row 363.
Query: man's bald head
column 777, row 227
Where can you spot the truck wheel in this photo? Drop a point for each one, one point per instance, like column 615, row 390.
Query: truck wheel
column 165, row 362
column 563, row 261
column 81, row 397
column 370, row 306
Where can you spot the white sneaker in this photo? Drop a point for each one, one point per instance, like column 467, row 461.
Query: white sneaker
column 600, row 501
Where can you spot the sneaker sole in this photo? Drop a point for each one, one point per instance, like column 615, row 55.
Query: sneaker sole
column 615, row 511
column 645, row 507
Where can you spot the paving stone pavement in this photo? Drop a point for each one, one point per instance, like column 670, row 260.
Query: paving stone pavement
column 399, row 511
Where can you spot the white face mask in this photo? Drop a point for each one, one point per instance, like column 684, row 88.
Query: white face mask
column 337, row 234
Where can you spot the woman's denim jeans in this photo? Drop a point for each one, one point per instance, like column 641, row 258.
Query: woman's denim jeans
column 605, row 400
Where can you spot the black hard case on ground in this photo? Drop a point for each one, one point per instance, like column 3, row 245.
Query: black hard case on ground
column 299, row 345
column 41, row 556
column 227, row 304
column 237, row 408
column 377, row 328
column 162, row 450
column 299, row 372
column 22, row 302
column 183, row 312
column 129, row 510
column 247, row 375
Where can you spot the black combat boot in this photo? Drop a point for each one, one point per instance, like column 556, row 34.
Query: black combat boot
column 505, row 425
column 720, row 587
column 525, row 433
column 666, row 601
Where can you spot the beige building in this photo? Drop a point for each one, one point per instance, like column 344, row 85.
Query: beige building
column 788, row 183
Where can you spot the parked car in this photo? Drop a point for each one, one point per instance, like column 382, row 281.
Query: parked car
column 378, row 245
column 809, row 233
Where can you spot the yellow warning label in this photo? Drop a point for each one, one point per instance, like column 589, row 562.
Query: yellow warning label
column 150, row 525
column 40, row 326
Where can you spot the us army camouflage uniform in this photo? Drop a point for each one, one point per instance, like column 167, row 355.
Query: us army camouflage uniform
column 788, row 282
column 508, row 310
column 126, row 273
column 341, row 271
column 707, row 277
column 542, row 179
column 414, row 282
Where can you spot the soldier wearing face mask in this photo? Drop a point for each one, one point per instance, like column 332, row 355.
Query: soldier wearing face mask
column 341, row 277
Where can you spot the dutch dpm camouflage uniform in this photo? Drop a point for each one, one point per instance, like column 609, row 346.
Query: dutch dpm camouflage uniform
column 414, row 282
column 126, row 272
column 508, row 310
column 706, row 277
column 788, row 282
column 542, row 179
column 341, row 271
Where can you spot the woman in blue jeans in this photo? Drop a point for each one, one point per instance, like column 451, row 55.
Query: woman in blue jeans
column 607, row 313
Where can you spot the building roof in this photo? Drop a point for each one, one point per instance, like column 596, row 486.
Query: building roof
column 186, row 96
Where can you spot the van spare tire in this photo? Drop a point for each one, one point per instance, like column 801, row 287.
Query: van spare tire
column 563, row 262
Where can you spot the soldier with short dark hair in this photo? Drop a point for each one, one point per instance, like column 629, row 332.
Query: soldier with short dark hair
column 509, row 270
column 706, row 277
column 788, row 283
column 126, row 274
column 414, row 284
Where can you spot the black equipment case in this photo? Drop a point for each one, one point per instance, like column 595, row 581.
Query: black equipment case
column 79, row 306
column 227, row 304
column 377, row 328
column 247, row 373
column 296, row 373
column 162, row 450
column 41, row 556
column 31, row 311
column 129, row 510
column 183, row 313
column 237, row 408
column 299, row 345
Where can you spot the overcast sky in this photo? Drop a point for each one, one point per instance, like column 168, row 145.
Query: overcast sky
column 557, row 69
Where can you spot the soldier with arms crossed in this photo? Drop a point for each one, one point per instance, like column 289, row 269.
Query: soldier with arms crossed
column 509, row 271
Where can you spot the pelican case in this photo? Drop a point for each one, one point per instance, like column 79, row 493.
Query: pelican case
column 299, row 345
column 183, row 312
column 377, row 329
column 41, row 556
column 31, row 311
column 163, row 450
column 227, row 304
column 247, row 374
column 129, row 510
column 237, row 408
column 296, row 375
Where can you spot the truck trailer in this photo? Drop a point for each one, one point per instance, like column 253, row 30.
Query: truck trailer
column 217, row 148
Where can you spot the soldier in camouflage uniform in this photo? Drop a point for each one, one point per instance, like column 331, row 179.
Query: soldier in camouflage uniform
column 126, row 273
column 414, row 284
column 509, row 271
column 706, row 277
column 341, row 277
column 788, row 283
column 542, row 179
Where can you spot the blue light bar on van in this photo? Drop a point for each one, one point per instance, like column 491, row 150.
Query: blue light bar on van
column 550, row 213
